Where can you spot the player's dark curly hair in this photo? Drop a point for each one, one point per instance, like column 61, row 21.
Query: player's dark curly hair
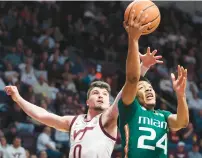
column 144, row 79
column 99, row 84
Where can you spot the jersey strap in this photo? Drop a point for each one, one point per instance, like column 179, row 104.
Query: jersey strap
column 103, row 130
column 73, row 120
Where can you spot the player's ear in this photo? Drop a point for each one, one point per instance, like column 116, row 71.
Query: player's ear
column 87, row 102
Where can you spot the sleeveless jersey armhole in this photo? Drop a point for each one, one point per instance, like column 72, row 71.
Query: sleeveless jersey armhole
column 73, row 120
column 103, row 130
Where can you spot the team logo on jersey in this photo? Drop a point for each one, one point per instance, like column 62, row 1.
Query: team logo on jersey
column 82, row 131
column 152, row 122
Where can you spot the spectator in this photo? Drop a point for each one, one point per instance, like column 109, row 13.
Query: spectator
column 29, row 62
column 41, row 87
column 10, row 133
column 42, row 71
column 3, row 147
column 55, row 57
column 10, row 74
column 20, row 120
column 13, row 57
column 43, row 154
column 64, row 56
column 67, row 108
column 28, row 76
column 198, row 120
column 27, row 154
column 174, row 138
column 180, row 152
column 62, row 138
column 188, row 135
column 69, row 85
column 53, row 90
column 46, row 40
column 16, row 150
column 33, row 156
column 45, row 143
column 195, row 152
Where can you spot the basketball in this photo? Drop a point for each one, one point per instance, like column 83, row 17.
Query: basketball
column 149, row 8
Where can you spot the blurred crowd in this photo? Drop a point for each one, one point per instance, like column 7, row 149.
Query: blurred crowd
column 52, row 51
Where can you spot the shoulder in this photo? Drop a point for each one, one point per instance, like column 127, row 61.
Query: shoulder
column 134, row 103
column 42, row 136
column 10, row 147
column 164, row 113
column 74, row 119
column 22, row 149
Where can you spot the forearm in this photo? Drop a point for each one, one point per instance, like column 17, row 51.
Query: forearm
column 143, row 70
column 133, row 61
column 30, row 109
column 182, row 111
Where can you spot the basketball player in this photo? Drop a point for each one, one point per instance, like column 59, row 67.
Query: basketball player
column 143, row 129
column 92, row 135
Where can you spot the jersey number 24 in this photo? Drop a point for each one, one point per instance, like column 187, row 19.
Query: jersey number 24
column 141, row 144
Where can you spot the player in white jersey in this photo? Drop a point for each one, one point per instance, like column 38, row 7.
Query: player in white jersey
column 90, row 139
column 92, row 135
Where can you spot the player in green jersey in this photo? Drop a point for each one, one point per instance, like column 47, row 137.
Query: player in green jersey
column 143, row 129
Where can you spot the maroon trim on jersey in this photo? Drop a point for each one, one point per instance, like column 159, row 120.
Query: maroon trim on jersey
column 85, row 119
column 103, row 130
column 73, row 120
column 79, row 152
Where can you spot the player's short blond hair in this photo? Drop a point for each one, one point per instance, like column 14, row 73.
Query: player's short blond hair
column 99, row 84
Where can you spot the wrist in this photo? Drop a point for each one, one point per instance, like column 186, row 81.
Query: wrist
column 132, row 38
column 144, row 70
column 17, row 98
column 145, row 66
column 181, row 96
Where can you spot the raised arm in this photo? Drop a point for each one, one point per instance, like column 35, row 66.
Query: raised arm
column 181, row 119
column 133, row 60
column 38, row 113
column 110, row 116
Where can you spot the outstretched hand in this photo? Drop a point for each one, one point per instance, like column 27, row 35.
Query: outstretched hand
column 149, row 59
column 179, row 84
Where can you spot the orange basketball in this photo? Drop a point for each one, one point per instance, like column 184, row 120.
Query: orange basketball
column 149, row 8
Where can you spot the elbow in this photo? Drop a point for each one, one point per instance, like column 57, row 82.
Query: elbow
column 186, row 120
column 185, row 123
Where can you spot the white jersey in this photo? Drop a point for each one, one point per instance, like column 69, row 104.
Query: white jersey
column 16, row 152
column 89, row 139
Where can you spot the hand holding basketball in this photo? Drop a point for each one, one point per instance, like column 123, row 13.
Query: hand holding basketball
column 135, row 25
column 148, row 8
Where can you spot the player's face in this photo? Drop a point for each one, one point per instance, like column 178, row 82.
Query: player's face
column 98, row 99
column 146, row 94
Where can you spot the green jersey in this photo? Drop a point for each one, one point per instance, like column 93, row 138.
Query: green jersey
column 143, row 132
